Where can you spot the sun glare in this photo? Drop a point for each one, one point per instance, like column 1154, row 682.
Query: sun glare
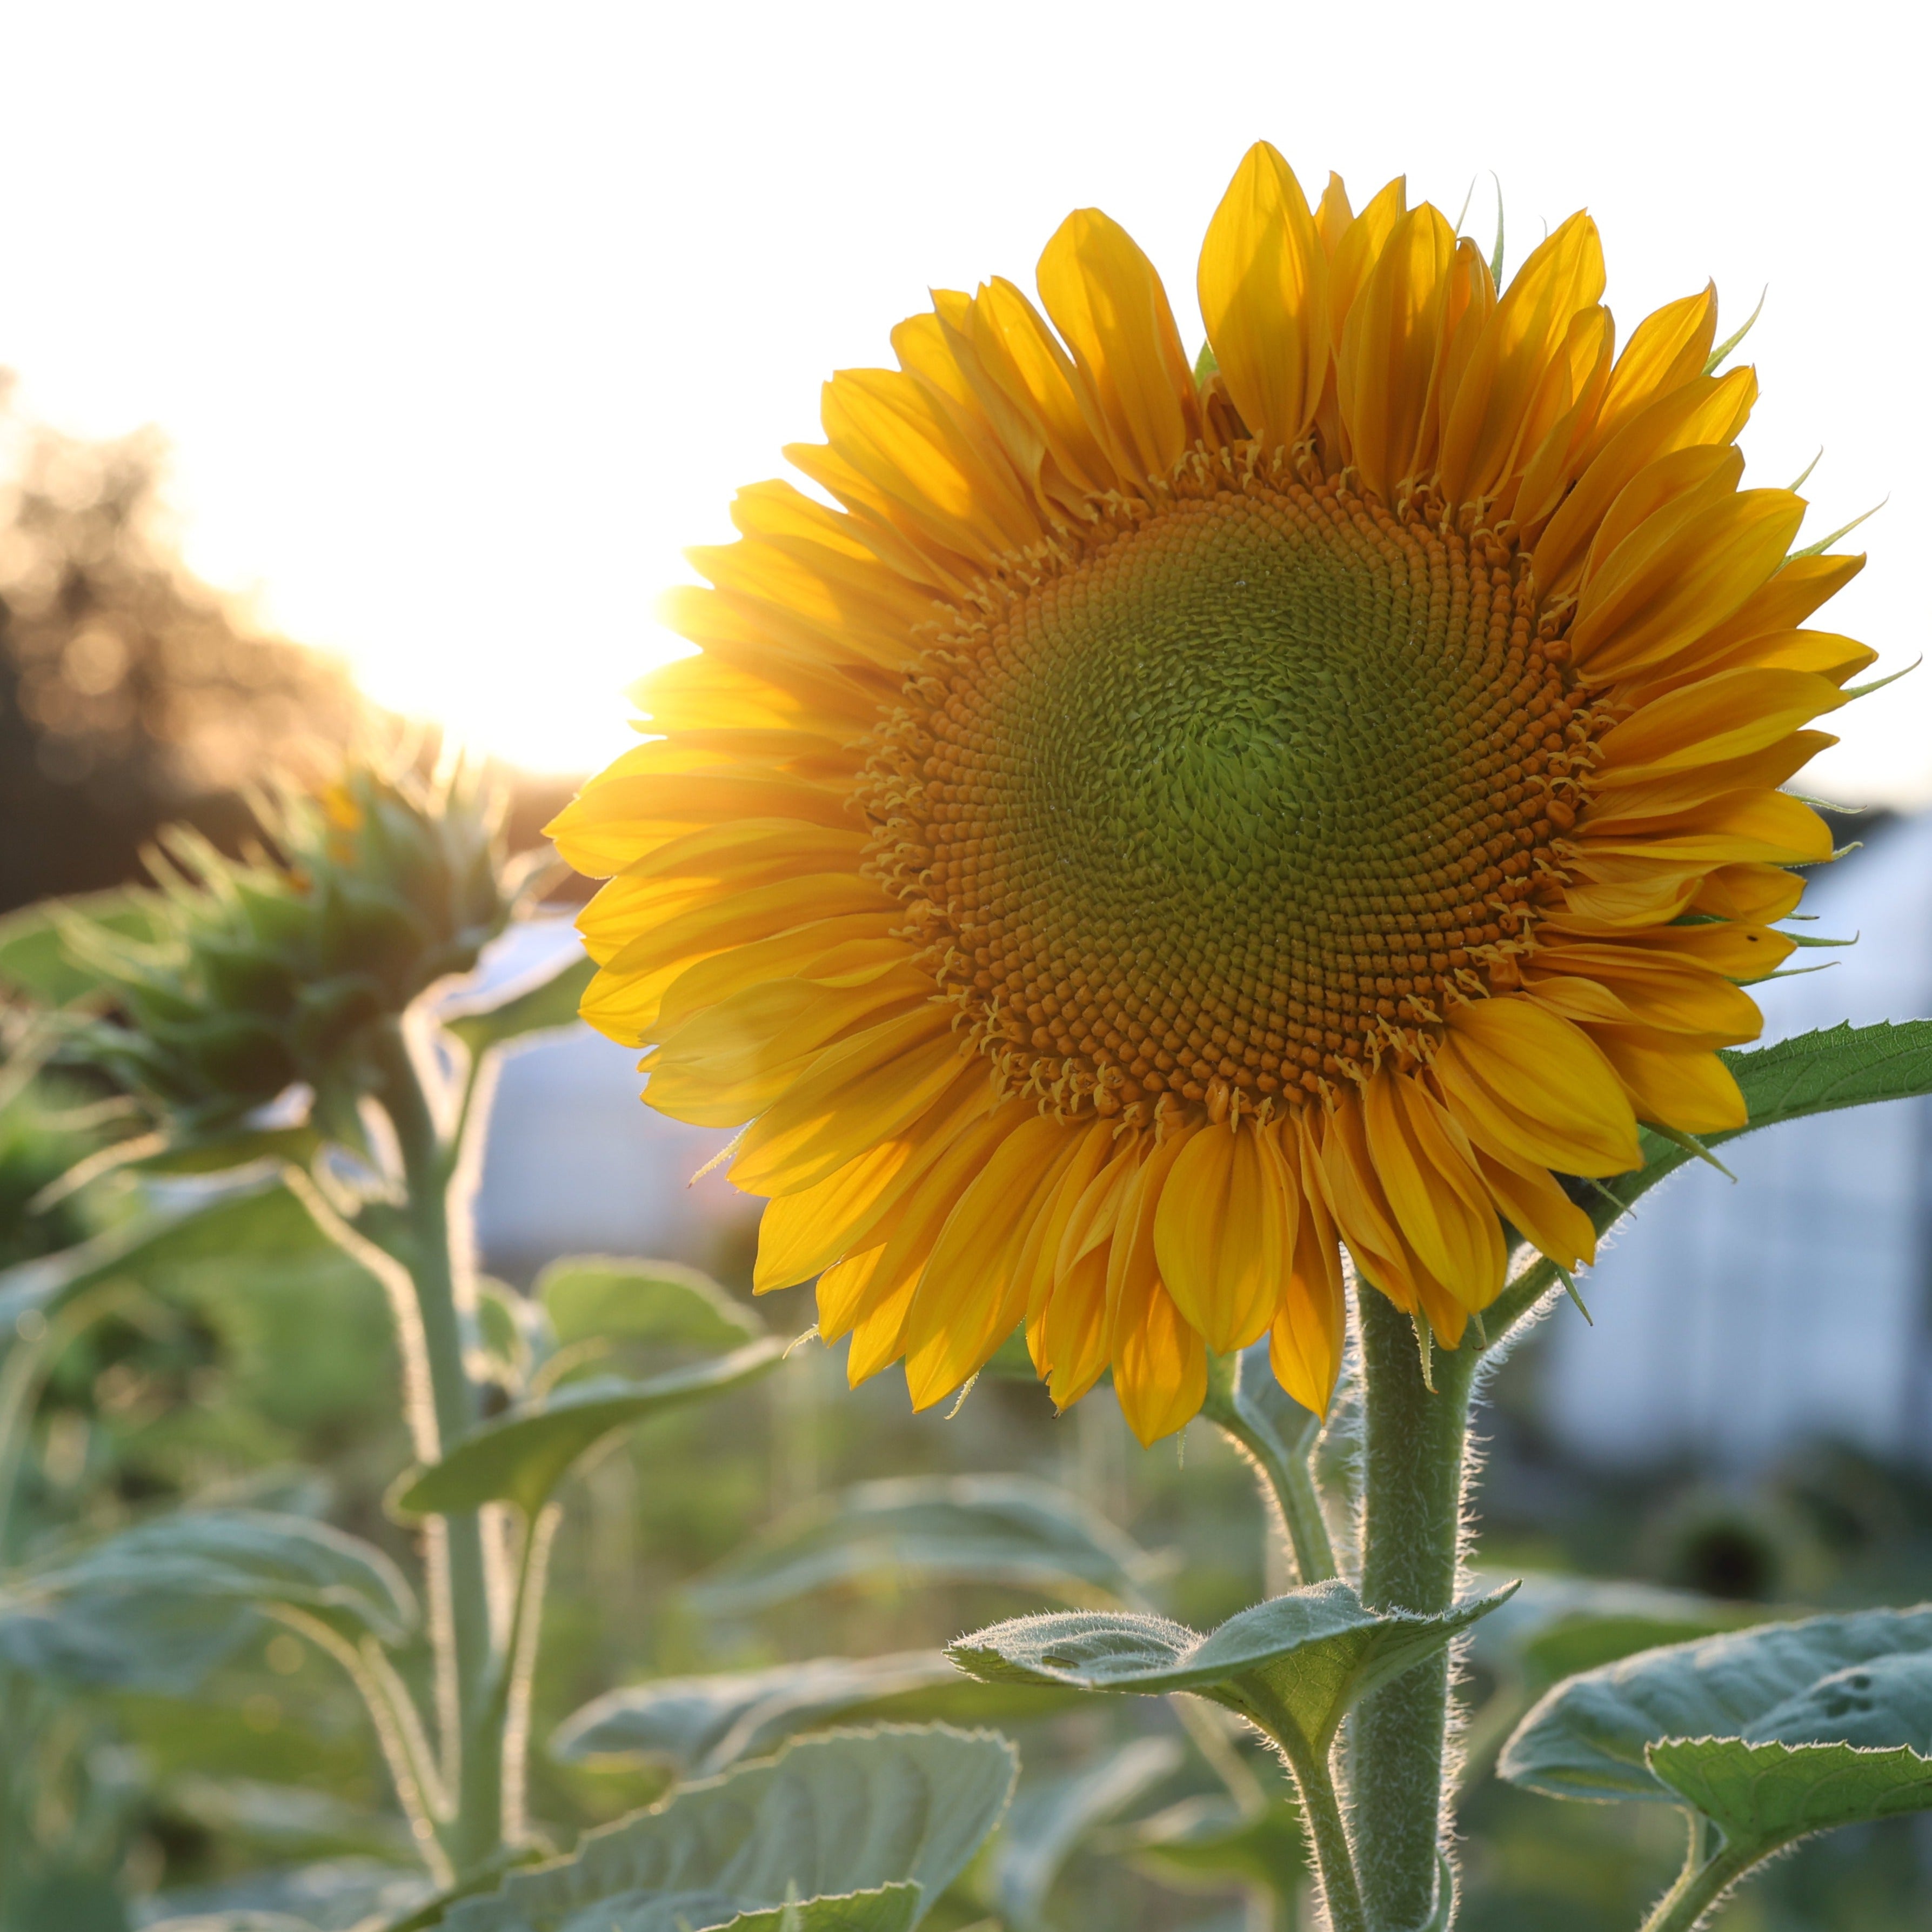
column 448, row 398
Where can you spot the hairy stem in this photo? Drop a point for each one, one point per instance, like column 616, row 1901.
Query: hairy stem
column 518, row 1674
column 412, row 1778
column 1285, row 1472
column 27, row 1364
column 1411, row 1530
column 475, row 1753
column 1702, row 1881
column 1322, row 1813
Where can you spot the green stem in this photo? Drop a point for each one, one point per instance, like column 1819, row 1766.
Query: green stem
column 1322, row 1812
column 460, row 1584
column 27, row 1364
column 412, row 1779
column 1702, row 1883
column 1411, row 1531
column 1286, row 1473
column 517, row 1676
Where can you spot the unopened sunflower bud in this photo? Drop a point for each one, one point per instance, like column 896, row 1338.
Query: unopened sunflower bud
column 265, row 972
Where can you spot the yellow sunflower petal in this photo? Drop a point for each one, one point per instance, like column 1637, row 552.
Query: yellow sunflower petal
column 1708, row 472
column 851, row 951
column 1726, row 716
column 1021, row 354
column 1538, row 1209
column 613, row 820
column 1758, row 894
column 1706, row 413
column 1263, row 286
column 1679, row 575
column 1358, row 247
column 1765, row 827
column 1139, row 835
column 1310, row 1327
column 1372, row 1230
column 734, row 1059
column 1109, row 307
column 1224, row 1231
column 1679, row 1086
column 1536, row 1087
column 865, row 1089
column 1553, row 443
column 880, row 1317
column 891, row 430
column 1637, row 799
column 1389, row 348
column 1824, row 654
column 1678, row 995
column 1069, row 1339
column 1433, row 1193
column 1160, row 1362
column 1668, row 349
column 971, row 1296
column 1160, row 1369
column 1040, row 1251
column 1564, row 276
column 801, row 1234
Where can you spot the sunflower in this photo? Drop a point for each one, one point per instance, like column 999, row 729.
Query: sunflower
column 1171, row 824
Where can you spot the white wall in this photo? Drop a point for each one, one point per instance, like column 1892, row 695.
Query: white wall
column 1732, row 1319
column 576, row 1163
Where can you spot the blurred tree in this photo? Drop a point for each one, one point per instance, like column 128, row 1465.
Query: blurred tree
column 130, row 693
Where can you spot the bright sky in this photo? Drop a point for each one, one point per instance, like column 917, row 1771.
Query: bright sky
column 464, row 320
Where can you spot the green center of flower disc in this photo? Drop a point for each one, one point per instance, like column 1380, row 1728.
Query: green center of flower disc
column 1219, row 806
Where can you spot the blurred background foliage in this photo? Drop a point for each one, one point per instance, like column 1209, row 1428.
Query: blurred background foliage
column 263, row 1371
column 131, row 694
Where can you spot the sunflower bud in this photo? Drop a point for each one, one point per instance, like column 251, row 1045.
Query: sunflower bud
column 265, row 971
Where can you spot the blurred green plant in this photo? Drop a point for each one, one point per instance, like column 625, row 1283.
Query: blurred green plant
column 286, row 966
column 310, row 1067
column 288, row 1022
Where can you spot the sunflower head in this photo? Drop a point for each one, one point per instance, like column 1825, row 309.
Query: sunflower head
column 269, row 969
column 1173, row 824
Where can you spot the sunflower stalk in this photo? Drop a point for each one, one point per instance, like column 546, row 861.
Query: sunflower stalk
column 1335, row 1855
column 1415, row 1474
column 462, row 1583
column 1281, row 1466
column 1702, row 1882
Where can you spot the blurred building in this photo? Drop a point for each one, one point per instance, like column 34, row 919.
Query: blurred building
column 576, row 1164
column 1733, row 1320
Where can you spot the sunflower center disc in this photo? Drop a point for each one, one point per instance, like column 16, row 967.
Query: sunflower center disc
column 1222, row 803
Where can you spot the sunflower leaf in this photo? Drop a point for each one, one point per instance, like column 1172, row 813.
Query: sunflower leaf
column 1863, row 1680
column 699, row 1726
column 972, row 1529
column 1556, row 1625
column 1770, row 1793
column 592, row 1296
column 521, row 1457
column 160, row 1642
column 35, row 957
column 1302, row 1658
column 888, row 1908
column 852, row 1813
column 1817, row 1072
column 544, row 1005
column 239, row 1556
column 249, row 1217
